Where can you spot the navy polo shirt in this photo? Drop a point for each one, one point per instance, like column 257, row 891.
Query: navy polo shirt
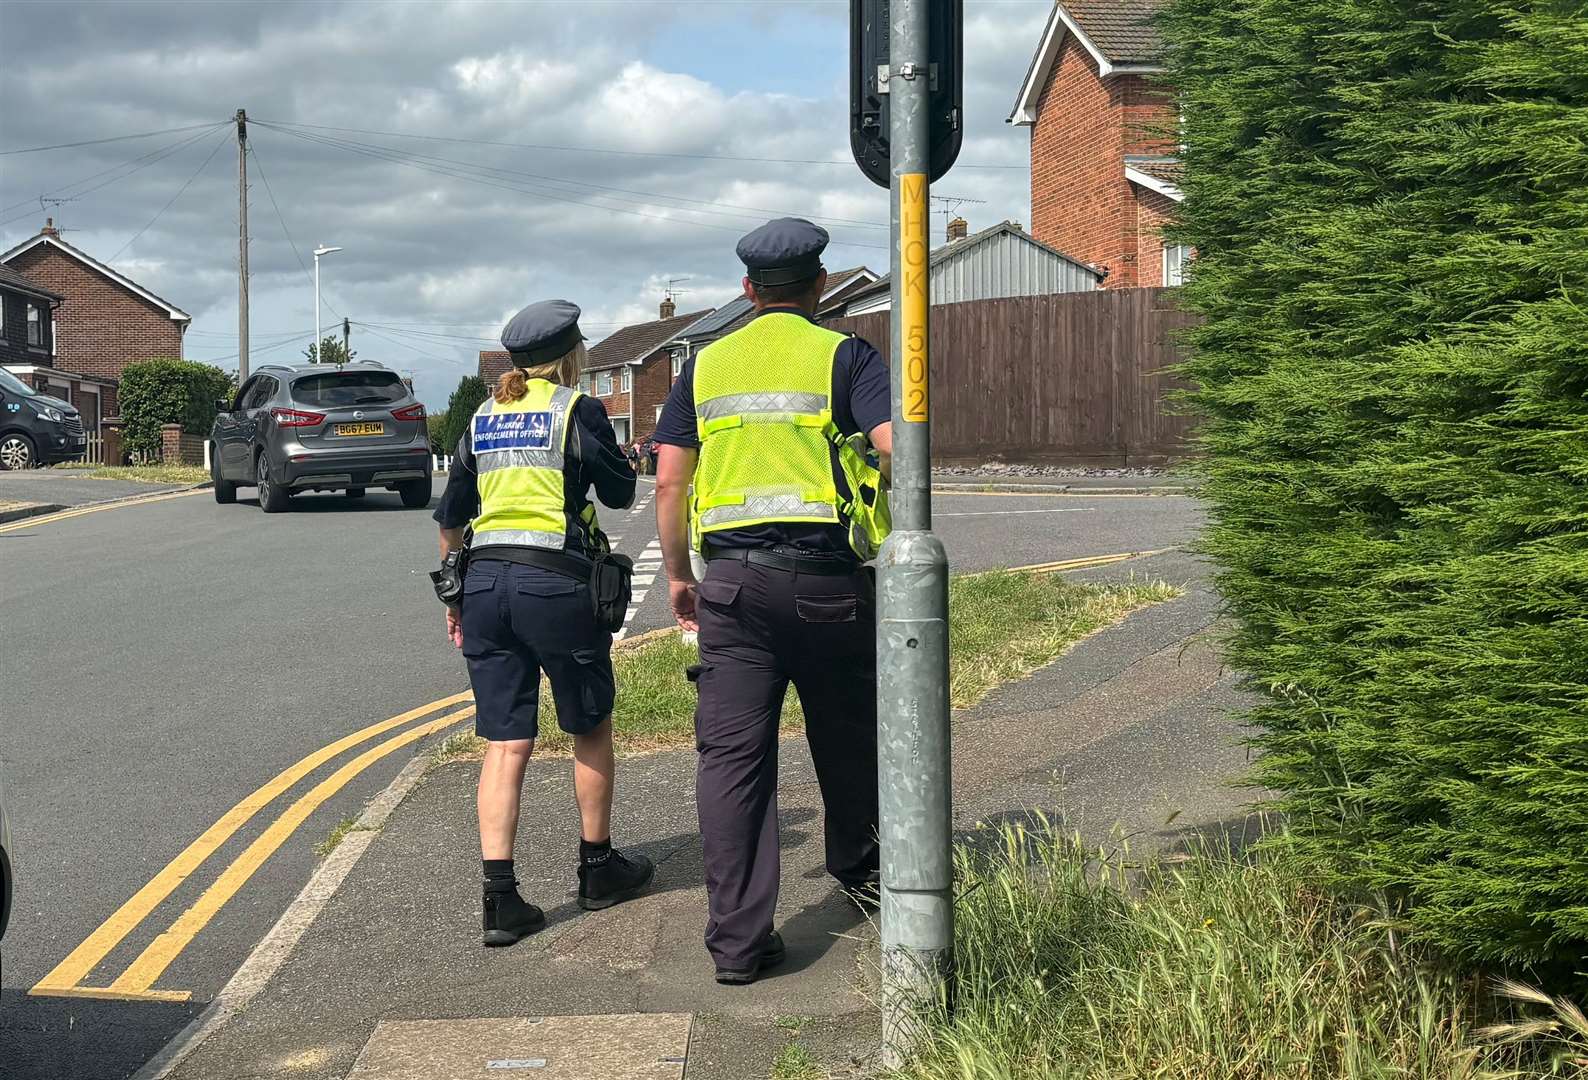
column 593, row 459
column 861, row 402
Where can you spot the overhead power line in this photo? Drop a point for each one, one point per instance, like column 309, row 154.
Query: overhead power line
column 113, row 138
column 161, row 212
column 132, row 165
column 253, row 150
column 605, row 150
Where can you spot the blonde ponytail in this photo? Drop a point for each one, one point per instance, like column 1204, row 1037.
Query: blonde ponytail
column 564, row 371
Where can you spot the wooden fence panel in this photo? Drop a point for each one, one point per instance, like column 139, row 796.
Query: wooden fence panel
column 1070, row 378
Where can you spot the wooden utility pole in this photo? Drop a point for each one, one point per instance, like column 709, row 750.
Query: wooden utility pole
column 347, row 332
column 242, row 247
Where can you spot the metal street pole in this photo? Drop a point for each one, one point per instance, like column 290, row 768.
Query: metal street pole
column 318, row 251
column 912, row 593
column 242, row 247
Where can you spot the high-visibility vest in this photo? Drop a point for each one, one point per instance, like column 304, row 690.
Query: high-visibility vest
column 518, row 455
column 763, row 413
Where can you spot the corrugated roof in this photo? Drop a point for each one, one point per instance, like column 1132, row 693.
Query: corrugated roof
column 637, row 342
column 960, row 248
column 719, row 321
column 1122, row 30
column 15, row 279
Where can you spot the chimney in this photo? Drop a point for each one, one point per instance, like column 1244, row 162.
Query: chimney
column 958, row 229
column 49, row 228
column 669, row 309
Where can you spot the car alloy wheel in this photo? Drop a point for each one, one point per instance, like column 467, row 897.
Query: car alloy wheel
column 262, row 478
column 16, row 452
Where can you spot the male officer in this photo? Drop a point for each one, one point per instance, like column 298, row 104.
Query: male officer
column 523, row 474
column 763, row 423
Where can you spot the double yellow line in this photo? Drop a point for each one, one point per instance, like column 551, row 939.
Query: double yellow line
column 62, row 515
column 136, row 983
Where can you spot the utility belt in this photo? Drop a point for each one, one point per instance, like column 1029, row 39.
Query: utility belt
column 609, row 575
column 782, row 557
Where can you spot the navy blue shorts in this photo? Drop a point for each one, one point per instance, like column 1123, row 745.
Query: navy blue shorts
column 518, row 620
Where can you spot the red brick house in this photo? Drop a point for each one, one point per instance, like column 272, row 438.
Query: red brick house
column 629, row 370
column 105, row 321
column 1104, row 171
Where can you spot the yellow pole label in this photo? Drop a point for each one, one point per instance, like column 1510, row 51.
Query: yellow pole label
column 913, row 313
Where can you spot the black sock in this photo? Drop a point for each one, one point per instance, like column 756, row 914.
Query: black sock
column 594, row 854
column 499, row 874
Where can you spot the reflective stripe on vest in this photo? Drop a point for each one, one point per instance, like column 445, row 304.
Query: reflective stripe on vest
column 762, row 411
column 518, row 452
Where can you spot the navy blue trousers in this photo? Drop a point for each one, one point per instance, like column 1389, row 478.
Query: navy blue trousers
column 760, row 629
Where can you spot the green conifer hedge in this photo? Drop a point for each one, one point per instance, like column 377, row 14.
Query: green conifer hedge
column 1389, row 203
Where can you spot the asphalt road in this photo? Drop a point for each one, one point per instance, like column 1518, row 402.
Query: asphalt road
column 164, row 661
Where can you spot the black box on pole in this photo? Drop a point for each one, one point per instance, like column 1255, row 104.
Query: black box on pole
column 868, row 96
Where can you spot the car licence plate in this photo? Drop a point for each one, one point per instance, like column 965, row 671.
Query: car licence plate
column 361, row 429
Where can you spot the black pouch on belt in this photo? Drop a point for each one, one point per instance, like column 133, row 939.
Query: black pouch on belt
column 611, row 588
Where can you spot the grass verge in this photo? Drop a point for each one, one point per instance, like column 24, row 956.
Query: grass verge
column 1001, row 627
column 337, row 835
column 794, row 1062
column 142, row 474
column 1076, row 965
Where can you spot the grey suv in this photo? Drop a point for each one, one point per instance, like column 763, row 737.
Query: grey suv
column 321, row 428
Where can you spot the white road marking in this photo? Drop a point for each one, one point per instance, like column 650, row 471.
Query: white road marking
column 638, row 598
column 644, row 579
column 1004, row 513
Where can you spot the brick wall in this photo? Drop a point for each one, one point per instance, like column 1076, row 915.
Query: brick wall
column 1153, row 211
column 177, row 447
column 1081, row 202
column 617, row 402
column 101, row 327
column 651, row 385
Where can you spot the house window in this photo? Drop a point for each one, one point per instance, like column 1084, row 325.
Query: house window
column 1176, row 257
column 628, row 380
column 678, row 361
column 35, row 325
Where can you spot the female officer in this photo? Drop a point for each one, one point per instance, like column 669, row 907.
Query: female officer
column 522, row 476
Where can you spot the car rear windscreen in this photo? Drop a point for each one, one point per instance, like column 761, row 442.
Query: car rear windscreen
column 338, row 388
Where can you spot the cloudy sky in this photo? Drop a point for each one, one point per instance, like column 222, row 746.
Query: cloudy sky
column 647, row 135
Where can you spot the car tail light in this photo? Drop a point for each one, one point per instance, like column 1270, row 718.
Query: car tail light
column 411, row 412
column 296, row 417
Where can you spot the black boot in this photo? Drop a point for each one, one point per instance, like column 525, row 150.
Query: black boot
column 507, row 917
column 615, row 878
column 772, row 954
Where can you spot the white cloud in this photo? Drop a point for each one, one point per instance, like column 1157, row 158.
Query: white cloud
column 468, row 231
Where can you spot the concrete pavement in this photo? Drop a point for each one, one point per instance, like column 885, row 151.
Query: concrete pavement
column 171, row 658
column 1127, row 732
column 67, row 487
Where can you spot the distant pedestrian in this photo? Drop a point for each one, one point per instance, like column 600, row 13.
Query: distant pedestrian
column 767, row 428
column 522, row 477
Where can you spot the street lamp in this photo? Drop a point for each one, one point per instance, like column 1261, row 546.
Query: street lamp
column 321, row 250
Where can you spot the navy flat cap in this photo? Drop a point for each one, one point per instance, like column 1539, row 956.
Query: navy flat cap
column 542, row 332
column 783, row 252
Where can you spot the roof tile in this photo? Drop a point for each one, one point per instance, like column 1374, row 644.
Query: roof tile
column 1121, row 29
